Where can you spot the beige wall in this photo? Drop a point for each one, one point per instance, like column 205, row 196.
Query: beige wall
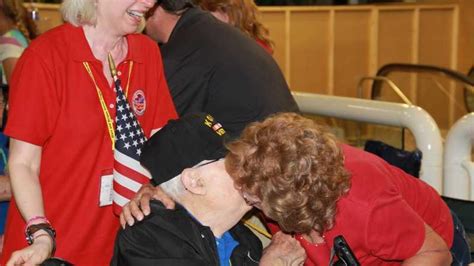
column 49, row 15
column 327, row 49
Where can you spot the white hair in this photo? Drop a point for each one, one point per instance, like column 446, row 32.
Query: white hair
column 79, row 12
column 174, row 187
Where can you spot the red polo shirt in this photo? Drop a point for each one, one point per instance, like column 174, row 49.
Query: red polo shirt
column 382, row 217
column 54, row 104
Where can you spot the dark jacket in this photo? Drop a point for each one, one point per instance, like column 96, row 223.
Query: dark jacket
column 213, row 67
column 173, row 237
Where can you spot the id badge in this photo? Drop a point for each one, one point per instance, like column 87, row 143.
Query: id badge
column 106, row 188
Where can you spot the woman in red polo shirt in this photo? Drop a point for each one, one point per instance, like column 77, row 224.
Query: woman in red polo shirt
column 301, row 177
column 62, row 126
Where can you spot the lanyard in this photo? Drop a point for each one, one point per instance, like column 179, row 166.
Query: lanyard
column 108, row 118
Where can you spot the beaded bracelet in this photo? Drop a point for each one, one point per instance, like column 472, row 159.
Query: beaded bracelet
column 32, row 229
column 36, row 218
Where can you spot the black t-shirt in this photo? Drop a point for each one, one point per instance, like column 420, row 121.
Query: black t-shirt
column 212, row 67
column 173, row 237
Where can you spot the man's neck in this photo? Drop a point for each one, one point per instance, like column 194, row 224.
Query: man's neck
column 163, row 24
column 219, row 221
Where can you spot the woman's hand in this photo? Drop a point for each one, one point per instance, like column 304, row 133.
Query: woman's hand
column 139, row 206
column 35, row 254
column 284, row 250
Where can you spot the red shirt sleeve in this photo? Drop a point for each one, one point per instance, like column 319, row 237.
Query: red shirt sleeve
column 394, row 230
column 34, row 101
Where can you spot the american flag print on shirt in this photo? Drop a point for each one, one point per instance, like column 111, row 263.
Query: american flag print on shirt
column 128, row 174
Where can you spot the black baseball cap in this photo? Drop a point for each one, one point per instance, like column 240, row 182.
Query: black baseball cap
column 183, row 143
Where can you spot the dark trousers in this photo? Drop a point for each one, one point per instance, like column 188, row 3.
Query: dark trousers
column 460, row 249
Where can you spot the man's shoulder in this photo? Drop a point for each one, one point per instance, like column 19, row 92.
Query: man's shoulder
column 164, row 236
column 161, row 226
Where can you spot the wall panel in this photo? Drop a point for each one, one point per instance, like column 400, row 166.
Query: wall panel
column 275, row 21
column 309, row 46
column 351, row 50
column 396, row 40
column 435, row 48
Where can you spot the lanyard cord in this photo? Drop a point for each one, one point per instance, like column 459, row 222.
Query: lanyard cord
column 108, row 118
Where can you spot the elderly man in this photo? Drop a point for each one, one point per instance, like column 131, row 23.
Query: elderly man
column 185, row 159
column 213, row 67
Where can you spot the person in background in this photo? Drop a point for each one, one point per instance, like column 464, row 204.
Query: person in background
column 16, row 30
column 5, row 188
column 62, row 116
column 185, row 159
column 242, row 14
column 213, row 67
column 300, row 176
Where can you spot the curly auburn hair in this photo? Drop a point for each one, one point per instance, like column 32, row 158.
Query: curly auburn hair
column 14, row 10
column 295, row 167
column 243, row 14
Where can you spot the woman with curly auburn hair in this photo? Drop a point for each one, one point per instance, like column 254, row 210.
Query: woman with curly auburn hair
column 281, row 172
column 242, row 14
column 299, row 175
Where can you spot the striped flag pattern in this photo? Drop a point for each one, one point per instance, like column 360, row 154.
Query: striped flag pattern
column 128, row 174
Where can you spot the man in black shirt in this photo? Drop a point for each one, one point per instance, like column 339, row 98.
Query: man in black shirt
column 212, row 67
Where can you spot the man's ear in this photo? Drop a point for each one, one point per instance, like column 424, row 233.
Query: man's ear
column 193, row 182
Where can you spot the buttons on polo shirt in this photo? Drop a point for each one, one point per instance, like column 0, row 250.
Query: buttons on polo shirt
column 111, row 106
column 119, row 73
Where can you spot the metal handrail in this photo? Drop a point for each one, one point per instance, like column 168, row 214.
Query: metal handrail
column 455, row 75
column 458, row 165
column 390, row 83
column 386, row 69
column 421, row 124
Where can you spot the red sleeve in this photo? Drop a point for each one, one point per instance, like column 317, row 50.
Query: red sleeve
column 394, row 230
column 34, row 102
column 165, row 106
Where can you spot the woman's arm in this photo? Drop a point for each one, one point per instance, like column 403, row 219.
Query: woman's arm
column 5, row 188
column 8, row 66
column 434, row 251
column 24, row 164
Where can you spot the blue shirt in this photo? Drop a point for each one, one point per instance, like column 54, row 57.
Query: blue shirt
column 225, row 246
column 3, row 162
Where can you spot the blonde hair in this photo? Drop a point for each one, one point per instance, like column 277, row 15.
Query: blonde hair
column 15, row 10
column 243, row 14
column 79, row 12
